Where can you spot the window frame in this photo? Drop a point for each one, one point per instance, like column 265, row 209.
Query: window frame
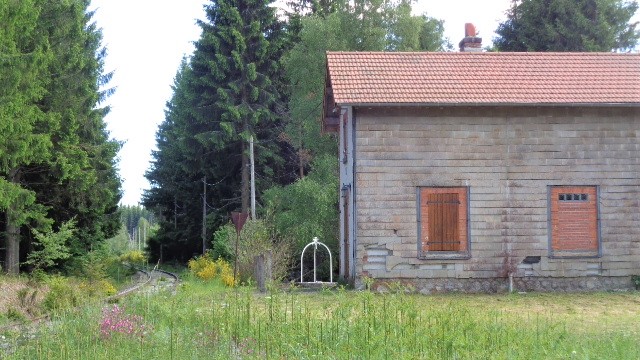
column 444, row 254
column 553, row 197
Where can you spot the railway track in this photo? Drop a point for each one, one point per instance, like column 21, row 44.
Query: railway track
column 154, row 279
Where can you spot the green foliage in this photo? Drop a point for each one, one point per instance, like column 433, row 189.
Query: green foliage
column 14, row 314
column 256, row 238
column 222, row 241
column 307, row 208
column 51, row 246
column 137, row 219
column 56, row 160
column 61, row 294
column 363, row 25
column 228, row 91
column 134, row 257
column 247, row 77
column 569, row 25
column 118, row 244
column 23, row 63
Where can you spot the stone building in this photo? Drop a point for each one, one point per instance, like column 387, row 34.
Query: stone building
column 472, row 171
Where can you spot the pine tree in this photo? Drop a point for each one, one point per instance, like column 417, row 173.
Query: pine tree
column 227, row 92
column 57, row 161
column 568, row 25
column 80, row 180
column 24, row 58
column 236, row 62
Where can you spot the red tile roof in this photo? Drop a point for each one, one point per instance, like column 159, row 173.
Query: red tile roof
column 484, row 78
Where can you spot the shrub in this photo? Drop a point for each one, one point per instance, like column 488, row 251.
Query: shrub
column 51, row 246
column 15, row 315
column 203, row 267
column 134, row 257
column 61, row 294
column 100, row 288
column 307, row 208
column 222, row 241
column 226, row 273
column 257, row 238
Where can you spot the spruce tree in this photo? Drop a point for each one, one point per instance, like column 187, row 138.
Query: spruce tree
column 24, row 59
column 57, row 161
column 235, row 65
column 568, row 25
column 80, row 180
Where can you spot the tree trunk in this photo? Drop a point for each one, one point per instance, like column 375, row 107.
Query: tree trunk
column 300, row 165
column 12, row 234
column 300, row 154
column 12, row 260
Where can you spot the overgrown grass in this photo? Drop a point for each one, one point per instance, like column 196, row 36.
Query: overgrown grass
column 209, row 321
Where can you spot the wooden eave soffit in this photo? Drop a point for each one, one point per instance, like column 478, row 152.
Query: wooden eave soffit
column 331, row 112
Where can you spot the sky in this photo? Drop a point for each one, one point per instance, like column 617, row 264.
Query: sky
column 147, row 39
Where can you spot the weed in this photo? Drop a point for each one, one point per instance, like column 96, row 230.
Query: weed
column 15, row 315
column 116, row 321
column 61, row 294
column 27, row 298
column 368, row 282
column 207, row 320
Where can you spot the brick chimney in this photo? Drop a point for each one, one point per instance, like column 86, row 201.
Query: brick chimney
column 470, row 43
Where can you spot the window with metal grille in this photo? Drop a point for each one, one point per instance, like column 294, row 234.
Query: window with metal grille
column 443, row 220
column 573, row 197
column 573, row 221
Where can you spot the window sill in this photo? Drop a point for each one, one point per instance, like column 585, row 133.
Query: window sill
column 445, row 255
column 574, row 254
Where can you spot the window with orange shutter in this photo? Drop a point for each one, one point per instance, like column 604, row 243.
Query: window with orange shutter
column 573, row 221
column 443, row 222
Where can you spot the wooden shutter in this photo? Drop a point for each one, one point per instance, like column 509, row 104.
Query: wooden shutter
column 443, row 220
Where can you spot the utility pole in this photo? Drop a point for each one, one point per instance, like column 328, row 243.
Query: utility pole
column 204, row 214
column 253, row 180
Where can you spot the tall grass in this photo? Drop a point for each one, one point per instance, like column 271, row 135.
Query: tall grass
column 203, row 321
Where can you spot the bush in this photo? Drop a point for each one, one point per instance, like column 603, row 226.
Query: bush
column 99, row 288
column 226, row 273
column 61, row 294
column 307, row 208
column 256, row 239
column 14, row 314
column 51, row 246
column 134, row 257
column 221, row 246
column 205, row 268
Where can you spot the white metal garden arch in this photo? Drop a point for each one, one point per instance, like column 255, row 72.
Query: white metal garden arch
column 315, row 244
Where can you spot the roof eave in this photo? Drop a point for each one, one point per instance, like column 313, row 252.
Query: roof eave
column 485, row 104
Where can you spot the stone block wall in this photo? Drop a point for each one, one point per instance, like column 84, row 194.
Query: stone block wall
column 507, row 156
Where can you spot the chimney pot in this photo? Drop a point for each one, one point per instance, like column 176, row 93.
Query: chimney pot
column 469, row 30
column 471, row 42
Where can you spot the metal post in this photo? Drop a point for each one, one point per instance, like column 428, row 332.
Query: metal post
column 253, row 180
column 235, row 265
column 315, row 247
column 204, row 214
